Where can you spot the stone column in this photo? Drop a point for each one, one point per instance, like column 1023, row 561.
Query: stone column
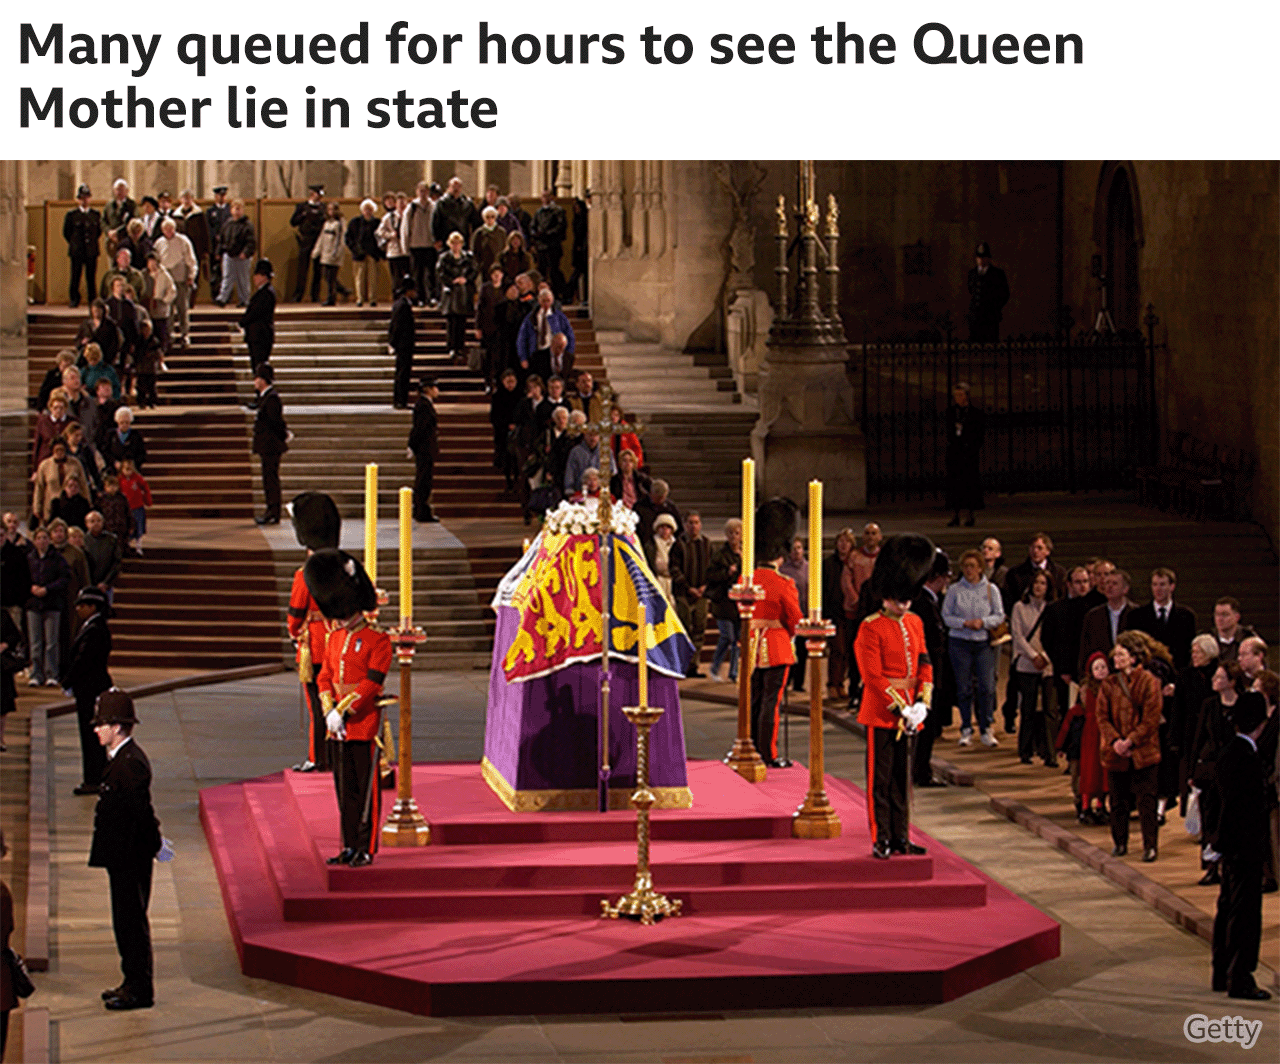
column 14, row 418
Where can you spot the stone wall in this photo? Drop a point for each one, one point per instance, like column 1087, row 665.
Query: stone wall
column 14, row 419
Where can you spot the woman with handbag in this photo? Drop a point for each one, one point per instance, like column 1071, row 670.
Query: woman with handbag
column 456, row 279
column 1033, row 673
column 1128, row 711
column 974, row 616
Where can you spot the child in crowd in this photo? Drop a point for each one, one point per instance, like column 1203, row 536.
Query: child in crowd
column 137, row 493
column 1082, row 744
column 114, row 509
column 329, row 251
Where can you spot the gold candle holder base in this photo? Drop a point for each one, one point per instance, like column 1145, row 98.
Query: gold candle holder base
column 816, row 818
column 406, row 826
column 643, row 903
column 744, row 758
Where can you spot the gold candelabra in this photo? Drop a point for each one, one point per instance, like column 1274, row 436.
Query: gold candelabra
column 816, row 819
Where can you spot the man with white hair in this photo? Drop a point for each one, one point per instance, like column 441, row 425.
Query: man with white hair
column 1252, row 657
column 586, row 455
column 362, row 238
column 193, row 224
column 489, row 241
column 116, row 214
column 177, row 254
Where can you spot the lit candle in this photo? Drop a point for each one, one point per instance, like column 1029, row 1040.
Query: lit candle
column 748, row 519
column 371, row 521
column 642, row 665
column 815, row 546
column 524, row 547
column 406, row 556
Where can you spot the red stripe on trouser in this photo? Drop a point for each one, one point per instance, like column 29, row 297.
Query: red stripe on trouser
column 777, row 712
column 871, row 780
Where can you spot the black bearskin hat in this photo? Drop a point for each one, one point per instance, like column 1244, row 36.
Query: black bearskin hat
column 902, row 566
column 339, row 584
column 316, row 521
column 775, row 529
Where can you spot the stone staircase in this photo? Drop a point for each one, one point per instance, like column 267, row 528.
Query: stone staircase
column 648, row 376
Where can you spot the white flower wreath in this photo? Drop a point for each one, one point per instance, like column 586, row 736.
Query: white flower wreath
column 583, row 519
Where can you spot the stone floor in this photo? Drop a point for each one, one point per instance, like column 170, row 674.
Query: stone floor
column 1121, row 990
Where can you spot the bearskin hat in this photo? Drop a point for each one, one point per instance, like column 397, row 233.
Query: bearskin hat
column 316, row 521
column 775, row 528
column 902, row 566
column 339, row 584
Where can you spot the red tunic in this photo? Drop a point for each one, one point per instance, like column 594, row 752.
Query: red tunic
column 305, row 616
column 891, row 654
column 357, row 659
column 773, row 626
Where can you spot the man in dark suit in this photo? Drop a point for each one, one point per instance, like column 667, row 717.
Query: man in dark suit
column 1103, row 623
column 82, row 229
column 402, row 340
column 259, row 318
column 1060, row 632
column 988, row 294
column 424, row 447
column 270, row 439
column 86, row 676
column 927, row 605
column 1162, row 619
column 1242, row 840
column 126, row 839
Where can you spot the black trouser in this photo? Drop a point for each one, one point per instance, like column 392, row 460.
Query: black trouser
column 456, row 328
column 355, row 778
column 425, row 468
column 271, row 483
column 1034, row 724
column 399, row 268
column 887, row 757
column 1237, row 926
column 1010, row 707
column 305, row 247
column 89, row 267
column 404, row 370
column 130, row 896
column 331, row 282
column 798, row 670
column 93, row 758
column 549, row 266
column 147, row 389
column 215, row 276
column 922, row 759
column 767, row 686
column 317, row 746
column 424, row 272
column 260, row 352
column 1141, row 784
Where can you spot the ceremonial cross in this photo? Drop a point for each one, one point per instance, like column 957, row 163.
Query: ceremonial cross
column 607, row 429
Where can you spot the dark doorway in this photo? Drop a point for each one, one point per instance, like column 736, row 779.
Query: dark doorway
column 1122, row 255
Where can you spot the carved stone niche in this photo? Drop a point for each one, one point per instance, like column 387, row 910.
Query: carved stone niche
column 748, row 318
column 807, row 427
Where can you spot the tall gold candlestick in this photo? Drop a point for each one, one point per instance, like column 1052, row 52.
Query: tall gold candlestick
column 406, row 557
column 748, row 519
column 815, row 546
column 642, row 662
column 371, row 522
column 744, row 759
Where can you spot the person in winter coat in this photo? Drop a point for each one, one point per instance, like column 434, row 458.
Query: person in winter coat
column 148, row 361
column 52, row 477
column 50, row 425
column 1033, row 672
column 723, row 572
column 362, row 238
column 159, row 303
column 1082, row 743
column 456, row 282
column 1128, row 712
column 49, row 579
column 489, row 241
column 328, row 251
column 516, row 259
column 391, row 237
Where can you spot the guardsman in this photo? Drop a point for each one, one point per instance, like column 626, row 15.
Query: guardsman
column 318, row 525
column 82, row 230
column 773, row 625
column 897, row 678
column 219, row 211
column 308, row 220
column 356, row 661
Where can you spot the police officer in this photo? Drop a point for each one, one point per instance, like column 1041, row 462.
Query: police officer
column 317, row 524
column 402, row 340
column 308, row 220
column 988, row 293
column 897, row 685
column 82, row 229
column 356, row 661
column 424, row 448
column 219, row 211
column 86, row 676
column 259, row 318
column 773, row 625
column 126, row 839
column 547, row 238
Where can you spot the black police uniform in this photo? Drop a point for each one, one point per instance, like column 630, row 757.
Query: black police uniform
column 82, row 229
column 308, row 219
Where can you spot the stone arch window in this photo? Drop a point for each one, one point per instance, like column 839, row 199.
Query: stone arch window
column 1117, row 232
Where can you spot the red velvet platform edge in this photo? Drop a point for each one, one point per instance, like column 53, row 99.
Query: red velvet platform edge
column 508, row 927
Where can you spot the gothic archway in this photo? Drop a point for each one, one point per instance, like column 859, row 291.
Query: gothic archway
column 1119, row 238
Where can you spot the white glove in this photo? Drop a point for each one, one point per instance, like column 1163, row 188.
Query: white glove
column 333, row 720
column 915, row 714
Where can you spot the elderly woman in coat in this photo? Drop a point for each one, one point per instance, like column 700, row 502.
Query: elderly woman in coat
column 51, row 479
column 1129, row 706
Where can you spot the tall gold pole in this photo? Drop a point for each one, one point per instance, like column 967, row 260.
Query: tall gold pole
column 643, row 903
column 406, row 825
column 744, row 759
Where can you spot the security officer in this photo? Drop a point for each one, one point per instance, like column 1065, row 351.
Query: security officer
column 424, row 448
column 402, row 340
column 259, row 318
column 547, row 237
column 318, row 525
column 86, row 676
column 126, row 839
column 988, row 293
column 82, row 229
column 356, row 661
column 897, row 679
column 308, row 220
column 219, row 211
column 773, row 625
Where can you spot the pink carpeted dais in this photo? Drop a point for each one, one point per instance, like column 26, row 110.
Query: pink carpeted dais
column 500, row 914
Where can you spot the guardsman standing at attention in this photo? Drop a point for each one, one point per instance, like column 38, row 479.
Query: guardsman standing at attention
column 355, row 668
column 897, row 678
column 773, row 626
column 318, row 525
column 82, row 230
column 308, row 219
